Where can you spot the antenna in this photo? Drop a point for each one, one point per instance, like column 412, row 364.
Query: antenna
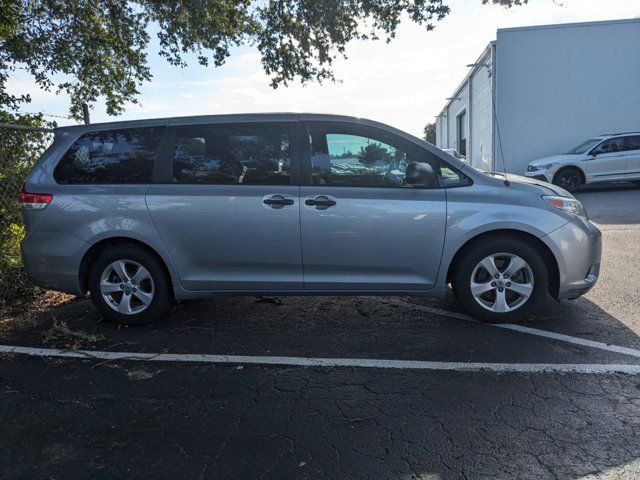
column 495, row 116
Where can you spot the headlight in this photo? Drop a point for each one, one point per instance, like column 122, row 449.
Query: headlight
column 535, row 168
column 569, row 205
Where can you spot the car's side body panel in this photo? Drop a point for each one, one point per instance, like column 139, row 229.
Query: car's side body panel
column 486, row 208
column 373, row 239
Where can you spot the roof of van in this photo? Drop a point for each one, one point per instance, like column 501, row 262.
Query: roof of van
column 232, row 118
column 222, row 118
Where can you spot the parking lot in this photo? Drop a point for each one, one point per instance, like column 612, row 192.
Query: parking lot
column 335, row 387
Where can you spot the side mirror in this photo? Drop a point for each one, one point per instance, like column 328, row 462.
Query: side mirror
column 420, row 175
column 593, row 153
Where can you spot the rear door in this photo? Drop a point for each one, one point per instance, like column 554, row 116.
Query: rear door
column 228, row 206
column 609, row 162
column 632, row 156
column 362, row 229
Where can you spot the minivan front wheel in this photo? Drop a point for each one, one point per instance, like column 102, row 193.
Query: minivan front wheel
column 128, row 285
column 501, row 280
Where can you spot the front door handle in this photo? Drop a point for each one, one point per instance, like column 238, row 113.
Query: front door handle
column 277, row 201
column 320, row 201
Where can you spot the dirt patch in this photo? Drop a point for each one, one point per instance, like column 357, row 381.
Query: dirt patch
column 61, row 336
column 41, row 313
column 42, row 303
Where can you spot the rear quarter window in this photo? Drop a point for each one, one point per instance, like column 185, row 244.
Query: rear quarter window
column 111, row 156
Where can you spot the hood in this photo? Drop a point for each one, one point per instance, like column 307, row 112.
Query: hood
column 554, row 159
column 545, row 187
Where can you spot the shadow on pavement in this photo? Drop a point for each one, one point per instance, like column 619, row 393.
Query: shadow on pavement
column 610, row 205
column 332, row 327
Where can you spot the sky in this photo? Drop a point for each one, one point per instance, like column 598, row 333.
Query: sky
column 404, row 83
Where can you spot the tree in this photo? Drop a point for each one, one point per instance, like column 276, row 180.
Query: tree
column 374, row 153
column 430, row 133
column 98, row 48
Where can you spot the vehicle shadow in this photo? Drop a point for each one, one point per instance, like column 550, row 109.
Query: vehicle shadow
column 612, row 204
column 331, row 327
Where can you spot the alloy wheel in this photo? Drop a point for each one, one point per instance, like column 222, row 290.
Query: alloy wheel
column 127, row 287
column 569, row 181
column 502, row 282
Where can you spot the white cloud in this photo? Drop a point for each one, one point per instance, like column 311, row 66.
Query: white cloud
column 403, row 83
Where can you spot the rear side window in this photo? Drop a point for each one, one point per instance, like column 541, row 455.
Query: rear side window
column 232, row 154
column 112, row 156
column 632, row 143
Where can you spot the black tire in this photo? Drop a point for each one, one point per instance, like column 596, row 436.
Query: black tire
column 568, row 178
column 466, row 268
column 157, row 283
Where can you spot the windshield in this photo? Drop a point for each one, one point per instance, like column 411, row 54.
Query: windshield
column 584, row 146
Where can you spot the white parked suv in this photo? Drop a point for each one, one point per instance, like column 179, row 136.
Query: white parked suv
column 599, row 159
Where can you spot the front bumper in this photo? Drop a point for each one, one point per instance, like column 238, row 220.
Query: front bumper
column 539, row 177
column 577, row 247
column 543, row 175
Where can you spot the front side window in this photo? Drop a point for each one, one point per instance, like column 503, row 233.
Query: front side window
column 345, row 159
column 113, row 156
column 232, row 154
column 612, row 145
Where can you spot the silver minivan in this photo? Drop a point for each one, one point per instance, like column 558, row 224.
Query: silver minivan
column 142, row 213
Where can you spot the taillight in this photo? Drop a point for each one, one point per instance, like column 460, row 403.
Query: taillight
column 34, row 201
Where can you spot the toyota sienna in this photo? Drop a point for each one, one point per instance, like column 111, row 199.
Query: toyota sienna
column 142, row 213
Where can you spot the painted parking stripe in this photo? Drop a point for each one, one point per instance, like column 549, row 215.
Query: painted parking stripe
column 518, row 328
column 325, row 362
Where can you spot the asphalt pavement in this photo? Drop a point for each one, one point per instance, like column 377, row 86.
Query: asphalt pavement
column 361, row 387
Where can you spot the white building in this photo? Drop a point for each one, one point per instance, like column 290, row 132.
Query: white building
column 539, row 91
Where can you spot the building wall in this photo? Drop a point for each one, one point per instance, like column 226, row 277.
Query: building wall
column 474, row 97
column 455, row 108
column 481, row 117
column 559, row 85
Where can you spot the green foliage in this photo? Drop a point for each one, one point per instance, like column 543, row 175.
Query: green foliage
column 374, row 153
column 430, row 133
column 97, row 48
column 18, row 151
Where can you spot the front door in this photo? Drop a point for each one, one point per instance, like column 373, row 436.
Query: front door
column 229, row 212
column 632, row 156
column 607, row 161
column 362, row 228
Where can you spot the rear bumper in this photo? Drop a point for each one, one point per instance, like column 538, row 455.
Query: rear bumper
column 52, row 260
column 577, row 247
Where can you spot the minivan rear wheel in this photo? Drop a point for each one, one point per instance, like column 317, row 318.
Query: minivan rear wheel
column 128, row 285
column 501, row 280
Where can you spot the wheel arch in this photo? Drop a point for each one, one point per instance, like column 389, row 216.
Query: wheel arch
column 98, row 247
column 549, row 258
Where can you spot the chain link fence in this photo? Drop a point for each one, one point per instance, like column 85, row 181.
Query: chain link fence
column 19, row 149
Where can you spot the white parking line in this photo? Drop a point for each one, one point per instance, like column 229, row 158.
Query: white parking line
column 326, row 362
column 519, row 328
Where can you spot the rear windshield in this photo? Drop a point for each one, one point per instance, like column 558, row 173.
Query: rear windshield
column 112, row 156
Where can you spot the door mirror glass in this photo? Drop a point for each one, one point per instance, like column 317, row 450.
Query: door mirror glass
column 420, row 174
